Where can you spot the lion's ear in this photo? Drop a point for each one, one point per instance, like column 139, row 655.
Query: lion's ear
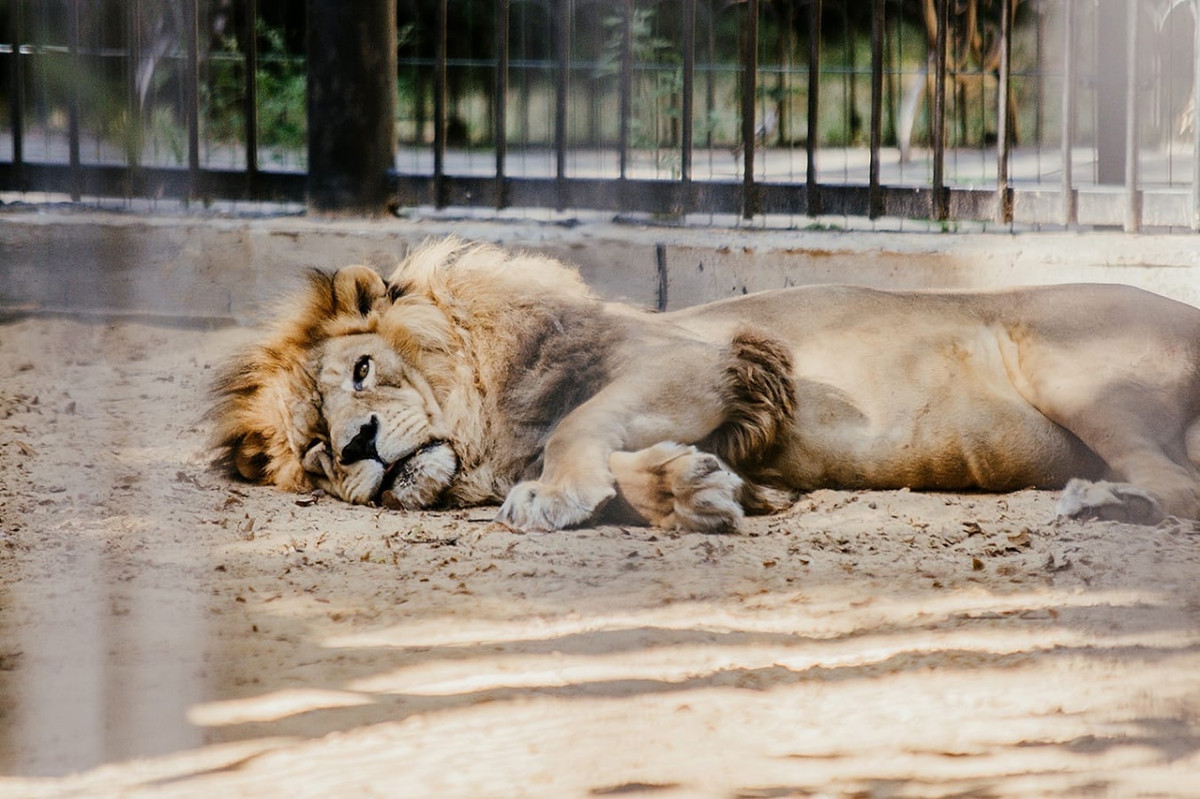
column 356, row 290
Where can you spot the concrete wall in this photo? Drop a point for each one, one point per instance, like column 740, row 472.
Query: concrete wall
column 226, row 270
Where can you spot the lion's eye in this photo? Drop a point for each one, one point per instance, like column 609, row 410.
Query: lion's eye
column 362, row 370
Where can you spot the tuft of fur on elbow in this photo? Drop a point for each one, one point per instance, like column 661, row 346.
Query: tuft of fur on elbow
column 760, row 399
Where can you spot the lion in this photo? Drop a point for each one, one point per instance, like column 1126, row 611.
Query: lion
column 475, row 375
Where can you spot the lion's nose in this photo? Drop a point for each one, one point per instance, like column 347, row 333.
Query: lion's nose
column 362, row 446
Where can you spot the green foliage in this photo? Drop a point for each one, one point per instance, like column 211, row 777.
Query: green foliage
column 280, row 82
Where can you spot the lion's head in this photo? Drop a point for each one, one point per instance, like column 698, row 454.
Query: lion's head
column 378, row 392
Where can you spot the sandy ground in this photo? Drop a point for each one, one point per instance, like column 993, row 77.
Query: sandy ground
column 167, row 632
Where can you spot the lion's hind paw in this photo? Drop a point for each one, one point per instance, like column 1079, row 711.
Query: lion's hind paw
column 1107, row 501
column 679, row 487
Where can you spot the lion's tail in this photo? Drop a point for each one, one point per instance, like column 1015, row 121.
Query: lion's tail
column 760, row 399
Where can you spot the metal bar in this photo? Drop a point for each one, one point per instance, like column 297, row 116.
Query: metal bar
column 1004, row 200
column 710, row 82
column 1196, row 119
column 192, row 92
column 1111, row 83
column 73, row 103
column 878, row 20
column 250, row 101
column 814, row 104
column 500, row 115
column 17, row 90
column 661, row 196
column 133, row 39
column 749, row 90
column 1133, row 211
column 689, row 86
column 625, row 89
column 439, row 107
column 105, row 180
column 940, row 209
column 562, row 40
column 1067, row 186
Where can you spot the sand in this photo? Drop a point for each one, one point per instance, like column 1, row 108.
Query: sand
column 165, row 631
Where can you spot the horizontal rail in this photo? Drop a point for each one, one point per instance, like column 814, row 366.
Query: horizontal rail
column 98, row 180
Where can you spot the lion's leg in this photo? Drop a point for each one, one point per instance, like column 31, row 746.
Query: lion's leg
column 1147, row 485
column 1132, row 416
column 627, row 415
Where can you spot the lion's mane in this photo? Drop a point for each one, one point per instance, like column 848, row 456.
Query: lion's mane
column 483, row 325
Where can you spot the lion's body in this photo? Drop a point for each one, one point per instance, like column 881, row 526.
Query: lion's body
column 486, row 376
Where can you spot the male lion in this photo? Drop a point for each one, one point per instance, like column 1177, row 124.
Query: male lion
column 474, row 375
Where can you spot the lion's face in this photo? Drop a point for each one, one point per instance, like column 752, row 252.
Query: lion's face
column 386, row 392
column 384, row 439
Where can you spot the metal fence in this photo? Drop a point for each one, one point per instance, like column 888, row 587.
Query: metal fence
column 1067, row 113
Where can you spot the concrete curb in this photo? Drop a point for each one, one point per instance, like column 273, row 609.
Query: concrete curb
column 225, row 270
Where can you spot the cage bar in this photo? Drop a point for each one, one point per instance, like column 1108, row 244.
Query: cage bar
column 562, row 55
column 1196, row 117
column 133, row 45
column 250, row 100
column 1133, row 210
column 500, row 109
column 1067, row 182
column 73, row 102
column 940, row 208
column 1004, row 206
column 749, row 68
column 686, row 105
column 625, row 90
column 192, row 93
column 878, row 21
column 439, row 107
column 17, row 90
column 811, row 189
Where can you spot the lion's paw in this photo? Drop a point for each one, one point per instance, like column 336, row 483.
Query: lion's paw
column 1110, row 502
column 538, row 506
column 706, row 494
column 676, row 486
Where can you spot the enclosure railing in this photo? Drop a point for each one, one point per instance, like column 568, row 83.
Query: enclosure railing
column 1066, row 113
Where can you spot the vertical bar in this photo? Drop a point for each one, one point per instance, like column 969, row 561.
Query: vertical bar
column 1111, row 83
column 562, row 39
column 689, row 85
column 1004, row 198
column 439, row 107
column 710, row 81
column 940, row 209
column 501, row 111
column 1196, row 118
column 1133, row 210
column 626, row 88
column 250, row 101
column 17, row 93
column 1069, row 210
column 73, row 104
column 814, row 105
column 878, row 20
column 133, row 45
column 749, row 90
column 192, row 94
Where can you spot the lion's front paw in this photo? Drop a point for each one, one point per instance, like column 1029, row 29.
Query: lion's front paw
column 675, row 486
column 538, row 506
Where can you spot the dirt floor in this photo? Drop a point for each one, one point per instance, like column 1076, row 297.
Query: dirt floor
column 167, row 632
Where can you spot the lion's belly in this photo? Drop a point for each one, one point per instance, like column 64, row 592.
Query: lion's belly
column 948, row 419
